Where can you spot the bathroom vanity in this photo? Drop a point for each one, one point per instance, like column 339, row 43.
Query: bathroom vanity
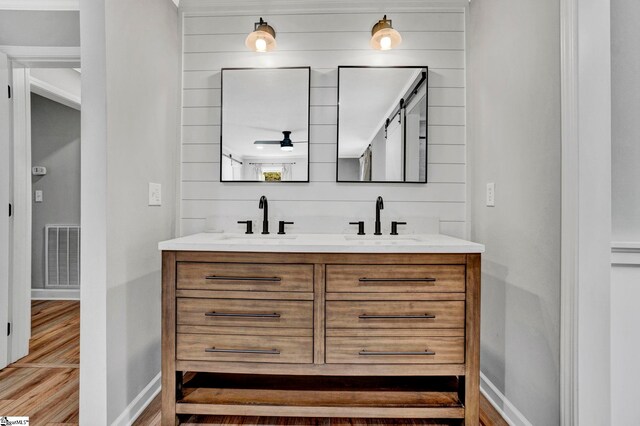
column 321, row 326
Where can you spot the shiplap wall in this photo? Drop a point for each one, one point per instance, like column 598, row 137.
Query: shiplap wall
column 324, row 41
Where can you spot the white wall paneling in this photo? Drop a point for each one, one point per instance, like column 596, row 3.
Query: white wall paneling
column 431, row 37
column 625, row 334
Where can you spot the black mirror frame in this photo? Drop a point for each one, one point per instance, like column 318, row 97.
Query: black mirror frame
column 426, row 158
column 222, row 70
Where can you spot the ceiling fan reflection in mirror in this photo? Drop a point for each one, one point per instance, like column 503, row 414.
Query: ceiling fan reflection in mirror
column 286, row 144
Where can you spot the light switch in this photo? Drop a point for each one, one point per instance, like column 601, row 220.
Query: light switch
column 38, row 196
column 491, row 194
column 155, row 194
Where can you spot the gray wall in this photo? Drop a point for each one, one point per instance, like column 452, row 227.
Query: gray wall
column 130, row 96
column 349, row 168
column 55, row 144
column 142, row 76
column 625, row 108
column 39, row 28
column 514, row 138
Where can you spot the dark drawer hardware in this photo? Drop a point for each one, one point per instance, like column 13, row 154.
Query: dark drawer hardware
column 425, row 316
column 426, row 352
column 224, row 314
column 221, row 278
column 245, row 351
column 404, row 280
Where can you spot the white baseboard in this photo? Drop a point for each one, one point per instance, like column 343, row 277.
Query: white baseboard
column 505, row 408
column 54, row 294
column 139, row 403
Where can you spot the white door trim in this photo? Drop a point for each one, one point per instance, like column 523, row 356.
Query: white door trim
column 44, row 56
column 21, row 271
column 569, row 209
column 5, row 199
column 586, row 209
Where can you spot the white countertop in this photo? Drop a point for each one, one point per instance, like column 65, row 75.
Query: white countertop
column 322, row 243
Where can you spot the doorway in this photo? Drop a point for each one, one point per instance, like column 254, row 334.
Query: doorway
column 44, row 193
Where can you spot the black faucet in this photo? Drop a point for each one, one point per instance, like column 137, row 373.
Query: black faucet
column 379, row 206
column 264, row 204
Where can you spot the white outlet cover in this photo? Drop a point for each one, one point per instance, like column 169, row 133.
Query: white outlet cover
column 155, row 194
column 38, row 196
column 491, row 194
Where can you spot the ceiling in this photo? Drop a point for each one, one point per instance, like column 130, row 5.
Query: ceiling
column 258, row 104
column 230, row 7
column 367, row 97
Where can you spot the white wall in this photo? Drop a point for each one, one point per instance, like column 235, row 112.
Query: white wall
column 324, row 41
column 625, row 107
column 514, row 138
column 135, row 90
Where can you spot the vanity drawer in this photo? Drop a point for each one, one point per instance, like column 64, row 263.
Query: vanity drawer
column 395, row 278
column 395, row 350
column 245, row 276
column 395, row 314
column 245, row 313
column 238, row 348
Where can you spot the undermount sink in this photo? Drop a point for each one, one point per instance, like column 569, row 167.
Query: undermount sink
column 270, row 238
column 380, row 239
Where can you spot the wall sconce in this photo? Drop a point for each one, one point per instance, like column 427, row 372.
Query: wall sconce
column 383, row 36
column 262, row 39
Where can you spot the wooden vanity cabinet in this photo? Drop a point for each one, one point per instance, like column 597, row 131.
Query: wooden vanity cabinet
column 321, row 335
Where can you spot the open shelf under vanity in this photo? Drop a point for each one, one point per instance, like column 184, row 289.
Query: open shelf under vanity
column 320, row 396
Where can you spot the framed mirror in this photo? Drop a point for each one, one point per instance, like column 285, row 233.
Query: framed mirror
column 264, row 134
column 382, row 124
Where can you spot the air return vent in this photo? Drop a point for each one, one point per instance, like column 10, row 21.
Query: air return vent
column 62, row 262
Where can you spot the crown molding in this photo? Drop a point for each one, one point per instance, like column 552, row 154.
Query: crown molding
column 52, row 5
column 240, row 7
column 54, row 93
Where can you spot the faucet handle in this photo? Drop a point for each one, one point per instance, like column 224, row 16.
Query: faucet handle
column 360, row 226
column 249, row 226
column 281, row 225
column 394, row 227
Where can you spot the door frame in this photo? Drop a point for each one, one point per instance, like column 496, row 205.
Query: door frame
column 20, row 60
column 5, row 219
column 585, row 389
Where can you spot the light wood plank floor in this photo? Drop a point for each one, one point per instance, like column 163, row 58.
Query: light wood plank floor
column 45, row 384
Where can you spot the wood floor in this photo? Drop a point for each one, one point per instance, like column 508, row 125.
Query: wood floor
column 45, row 384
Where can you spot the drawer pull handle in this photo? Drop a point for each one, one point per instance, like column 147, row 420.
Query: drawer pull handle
column 224, row 314
column 265, row 279
column 425, row 316
column 404, row 280
column 245, row 351
column 425, row 352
